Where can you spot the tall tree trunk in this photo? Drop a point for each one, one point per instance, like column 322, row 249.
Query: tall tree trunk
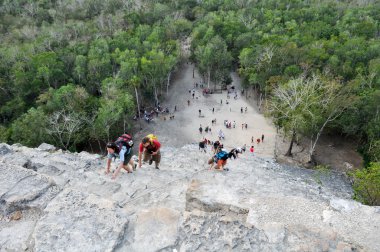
column 137, row 101
column 332, row 117
column 266, row 100
column 260, row 101
column 208, row 78
column 124, row 124
column 258, row 97
column 155, row 95
column 167, row 83
column 289, row 152
column 100, row 146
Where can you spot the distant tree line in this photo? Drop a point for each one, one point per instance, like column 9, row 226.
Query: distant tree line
column 75, row 72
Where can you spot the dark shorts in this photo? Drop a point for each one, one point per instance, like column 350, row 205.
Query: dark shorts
column 127, row 157
column 156, row 158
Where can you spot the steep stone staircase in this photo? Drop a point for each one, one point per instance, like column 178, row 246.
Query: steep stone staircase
column 57, row 201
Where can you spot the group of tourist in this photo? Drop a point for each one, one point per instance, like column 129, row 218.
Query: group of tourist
column 149, row 151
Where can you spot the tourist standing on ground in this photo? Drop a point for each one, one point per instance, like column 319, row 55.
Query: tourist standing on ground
column 244, row 147
column 262, row 138
column 252, row 149
column 200, row 129
column 151, row 149
column 221, row 135
column 202, row 145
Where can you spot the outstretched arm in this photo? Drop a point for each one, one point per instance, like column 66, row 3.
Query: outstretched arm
column 108, row 167
column 158, row 146
column 140, row 156
column 117, row 170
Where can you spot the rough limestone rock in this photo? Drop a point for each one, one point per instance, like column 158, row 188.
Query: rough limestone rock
column 46, row 147
column 5, row 149
column 20, row 187
column 13, row 237
column 61, row 201
column 78, row 221
column 155, row 229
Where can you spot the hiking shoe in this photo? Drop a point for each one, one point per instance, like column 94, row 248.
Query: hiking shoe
column 150, row 161
column 157, row 167
column 134, row 167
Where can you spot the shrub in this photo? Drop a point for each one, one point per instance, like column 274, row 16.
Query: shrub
column 367, row 184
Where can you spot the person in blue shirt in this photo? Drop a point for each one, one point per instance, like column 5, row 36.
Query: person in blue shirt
column 125, row 155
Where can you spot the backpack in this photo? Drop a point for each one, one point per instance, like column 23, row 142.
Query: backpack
column 222, row 155
column 124, row 140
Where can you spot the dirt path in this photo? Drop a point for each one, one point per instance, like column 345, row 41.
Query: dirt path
column 184, row 129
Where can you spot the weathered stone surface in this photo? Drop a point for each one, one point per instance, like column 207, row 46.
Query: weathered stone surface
column 20, row 187
column 16, row 215
column 155, row 229
column 4, row 149
column 46, row 147
column 17, row 160
column 211, row 196
column 343, row 205
column 15, row 235
column 105, row 189
column 78, row 221
column 258, row 205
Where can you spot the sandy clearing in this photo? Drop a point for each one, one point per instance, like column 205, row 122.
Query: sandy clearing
column 184, row 129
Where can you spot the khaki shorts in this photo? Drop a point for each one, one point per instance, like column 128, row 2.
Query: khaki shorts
column 156, row 158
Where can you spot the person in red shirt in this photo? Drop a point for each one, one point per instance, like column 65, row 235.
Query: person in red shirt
column 252, row 149
column 151, row 150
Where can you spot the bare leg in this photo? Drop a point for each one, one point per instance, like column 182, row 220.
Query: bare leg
column 132, row 164
column 128, row 168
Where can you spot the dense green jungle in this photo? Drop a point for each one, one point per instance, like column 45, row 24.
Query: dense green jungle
column 74, row 73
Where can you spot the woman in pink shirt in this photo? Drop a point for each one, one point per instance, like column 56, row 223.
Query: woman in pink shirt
column 252, row 149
